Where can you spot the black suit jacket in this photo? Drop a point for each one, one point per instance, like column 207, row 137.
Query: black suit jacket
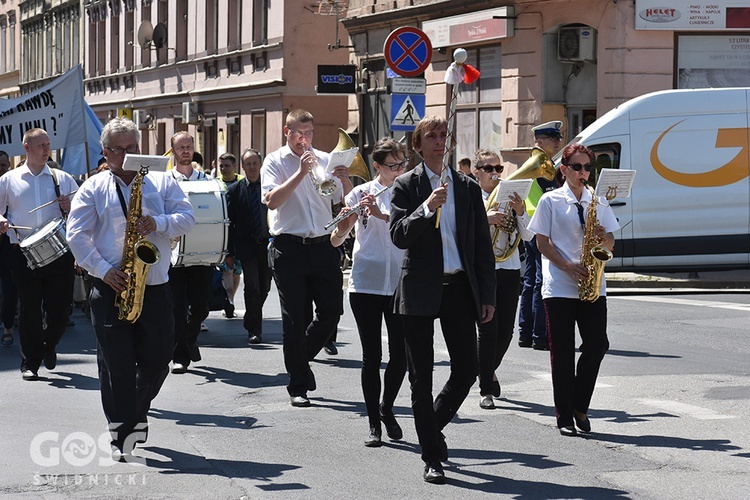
column 241, row 242
column 420, row 287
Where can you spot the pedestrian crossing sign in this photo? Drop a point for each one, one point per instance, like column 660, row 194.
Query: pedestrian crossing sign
column 406, row 111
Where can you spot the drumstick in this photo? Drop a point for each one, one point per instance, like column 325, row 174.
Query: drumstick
column 27, row 228
column 51, row 202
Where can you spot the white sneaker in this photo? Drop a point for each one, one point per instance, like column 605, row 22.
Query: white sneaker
column 486, row 403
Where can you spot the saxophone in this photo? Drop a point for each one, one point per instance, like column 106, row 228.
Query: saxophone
column 593, row 255
column 138, row 255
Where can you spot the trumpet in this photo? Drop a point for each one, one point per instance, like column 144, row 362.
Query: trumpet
column 325, row 186
column 346, row 213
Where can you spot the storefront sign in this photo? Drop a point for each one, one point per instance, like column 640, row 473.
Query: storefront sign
column 336, row 79
column 690, row 15
column 473, row 27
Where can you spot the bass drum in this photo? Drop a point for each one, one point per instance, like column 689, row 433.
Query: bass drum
column 45, row 244
column 206, row 244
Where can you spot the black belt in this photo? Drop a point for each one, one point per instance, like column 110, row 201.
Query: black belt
column 454, row 278
column 301, row 239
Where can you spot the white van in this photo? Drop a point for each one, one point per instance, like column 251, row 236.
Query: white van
column 690, row 204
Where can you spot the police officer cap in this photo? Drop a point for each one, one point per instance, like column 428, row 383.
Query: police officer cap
column 551, row 129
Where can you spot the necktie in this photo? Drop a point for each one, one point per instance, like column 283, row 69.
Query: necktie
column 581, row 218
column 255, row 210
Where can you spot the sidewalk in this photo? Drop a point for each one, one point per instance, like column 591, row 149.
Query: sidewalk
column 723, row 280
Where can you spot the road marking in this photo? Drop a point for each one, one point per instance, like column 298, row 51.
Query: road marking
column 686, row 409
column 690, row 302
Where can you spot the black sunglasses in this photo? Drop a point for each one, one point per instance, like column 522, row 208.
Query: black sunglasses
column 492, row 168
column 577, row 166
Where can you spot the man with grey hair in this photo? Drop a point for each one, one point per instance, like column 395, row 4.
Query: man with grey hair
column 133, row 358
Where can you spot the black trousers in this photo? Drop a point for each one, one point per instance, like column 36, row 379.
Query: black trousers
column 45, row 293
column 257, row 284
column 573, row 387
column 305, row 273
column 369, row 311
column 532, row 322
column 191, row 292
column 457, row 320
column 495, row 335
column 9, row 289
column 133, row 358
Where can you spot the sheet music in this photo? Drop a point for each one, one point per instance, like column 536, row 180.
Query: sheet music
column 153, row 162
column 507, row 188
column 345, row 157
column 621, row 181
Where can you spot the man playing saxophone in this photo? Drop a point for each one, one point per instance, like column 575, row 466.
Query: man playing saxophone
column 565, row 228
column 133, row 358
column 508, row 223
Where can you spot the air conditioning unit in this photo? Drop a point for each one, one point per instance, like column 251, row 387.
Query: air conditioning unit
column 190, row 113
column 576, row 44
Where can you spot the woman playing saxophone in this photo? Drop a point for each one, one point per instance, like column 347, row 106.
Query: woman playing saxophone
column 566, row 226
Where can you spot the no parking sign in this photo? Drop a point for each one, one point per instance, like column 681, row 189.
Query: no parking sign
column 408, row 51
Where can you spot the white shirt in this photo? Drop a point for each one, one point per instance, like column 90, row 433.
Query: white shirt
column 503, row 238
column 451, row 258
column 377, row 261
column 306, row 212
column 20, row 191
column 96, row 225
column 557, row 218
column 196, row 175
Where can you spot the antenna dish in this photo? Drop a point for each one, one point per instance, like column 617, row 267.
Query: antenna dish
column 160, row 35
column 145, row 33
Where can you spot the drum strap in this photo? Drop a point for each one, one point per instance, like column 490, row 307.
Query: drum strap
column 57, row 189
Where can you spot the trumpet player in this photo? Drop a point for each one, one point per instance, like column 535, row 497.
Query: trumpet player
column 495, row 336
column 304, row 264
column 133, row 358
column 374, row 275
column 561, row 223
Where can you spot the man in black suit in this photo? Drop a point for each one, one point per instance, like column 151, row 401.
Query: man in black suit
column 248, row 242
column 448, row 273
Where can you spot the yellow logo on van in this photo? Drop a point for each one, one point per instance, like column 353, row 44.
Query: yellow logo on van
column 734, row 171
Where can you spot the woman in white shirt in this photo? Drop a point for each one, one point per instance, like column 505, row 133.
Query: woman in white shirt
column 375, row 270
column 559, row 223
column 495, row 335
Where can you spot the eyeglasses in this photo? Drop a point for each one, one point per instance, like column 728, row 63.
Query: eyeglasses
column 498, row 169
column 121, row 151
column 395, row 166
column 577, row 166
column 306, row 133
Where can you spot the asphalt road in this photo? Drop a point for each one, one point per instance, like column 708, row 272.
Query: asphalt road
column 669, row 417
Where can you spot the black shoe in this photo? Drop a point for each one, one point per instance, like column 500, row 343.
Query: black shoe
column 229, row 311
column 486, row 403
column 524, row 343
column 583, row 425
column 29, row 375
column 195, row 353
column 179, row 368
column 373, row 439
column 495, row 388
column 433, row 473
column 391, row 426
column 330, row 349
column 254, row 338
column 540, row 346
column 443, row 448
column 300, row 401
column 311, row 385
column 142, row 430
column 568, row 431
column 50, row 359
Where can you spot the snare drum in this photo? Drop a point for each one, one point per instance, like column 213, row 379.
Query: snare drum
column 206, row 244
column 45, row 244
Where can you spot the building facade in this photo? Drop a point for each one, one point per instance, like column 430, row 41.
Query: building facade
column 546, row 60
column 10, row 53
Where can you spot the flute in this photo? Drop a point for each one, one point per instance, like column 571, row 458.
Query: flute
column 346, row 213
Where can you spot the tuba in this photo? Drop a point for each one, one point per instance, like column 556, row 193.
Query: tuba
column 593, row 255
column 358, row 168
column 538, row 165
column 138, row 255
